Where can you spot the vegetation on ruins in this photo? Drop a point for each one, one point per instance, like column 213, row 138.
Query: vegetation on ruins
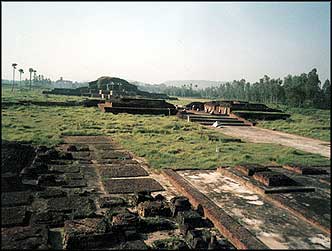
column 305, row 90
column 163, row 141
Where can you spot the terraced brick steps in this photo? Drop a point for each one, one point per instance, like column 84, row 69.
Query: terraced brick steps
column 223, row 120
column 238, row 123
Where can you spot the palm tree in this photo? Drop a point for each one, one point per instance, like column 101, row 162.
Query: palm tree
column 14, row 67
column 34, row 77
column 21, row 72
column 30, row 71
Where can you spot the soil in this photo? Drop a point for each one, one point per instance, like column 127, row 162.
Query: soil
column 260, row 135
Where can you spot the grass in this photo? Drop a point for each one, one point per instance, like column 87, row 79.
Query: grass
column 313, row 123
column 165, row 142
column 35, row 95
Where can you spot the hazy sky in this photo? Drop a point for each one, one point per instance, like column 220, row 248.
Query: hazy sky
column 155, row 42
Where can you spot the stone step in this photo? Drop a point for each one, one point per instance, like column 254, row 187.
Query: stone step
column 236, row 123
column 209, row 116
column 213, row 119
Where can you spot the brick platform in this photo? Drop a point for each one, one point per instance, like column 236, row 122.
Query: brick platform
column 239, row 236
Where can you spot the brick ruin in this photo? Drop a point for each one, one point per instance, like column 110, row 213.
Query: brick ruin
column 107, row 87
column 306, row 188
column 289, row 201
column 117, row 95
column 138, row 106
column 90, row 193
column 232, row 109
column 69, row 198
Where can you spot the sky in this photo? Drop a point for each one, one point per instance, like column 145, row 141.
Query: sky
column 154, row 42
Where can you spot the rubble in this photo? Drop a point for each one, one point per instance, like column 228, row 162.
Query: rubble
column 28, row 237
column 77, row 206
column 152, row 224
column 15, row 156
column 87, row 234
column 75, row 183
column 153, row 208
column 49, row 180
column 178, row 204
column 111, row 202
column 64, row 168
column 63, row 207
column 10, row 199
column 141, row 196
column 11, row 182
column 14, row 216
column 48, row 218
column 115, row 211
column 170, row 244
column 135, row 245
column 190, row 218
column 124, row 221
column 198, row 239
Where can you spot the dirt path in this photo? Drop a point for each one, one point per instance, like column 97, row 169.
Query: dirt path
column 260, row 135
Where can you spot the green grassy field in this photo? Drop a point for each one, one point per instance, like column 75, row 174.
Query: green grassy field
column 313, row 123
column 165, row 142
column 35, row 95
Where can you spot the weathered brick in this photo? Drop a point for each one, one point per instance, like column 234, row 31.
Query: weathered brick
column 250, row 170
column 273, row 179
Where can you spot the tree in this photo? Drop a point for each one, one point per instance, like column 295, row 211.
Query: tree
column 34, row 77
column 21, row 72
column 327, row 94
column 30, row 71
column 294, row 90
column 14, row 67
column 312, row 88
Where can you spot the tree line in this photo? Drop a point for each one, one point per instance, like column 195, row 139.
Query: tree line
column 305, row 90
column 36, row 79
